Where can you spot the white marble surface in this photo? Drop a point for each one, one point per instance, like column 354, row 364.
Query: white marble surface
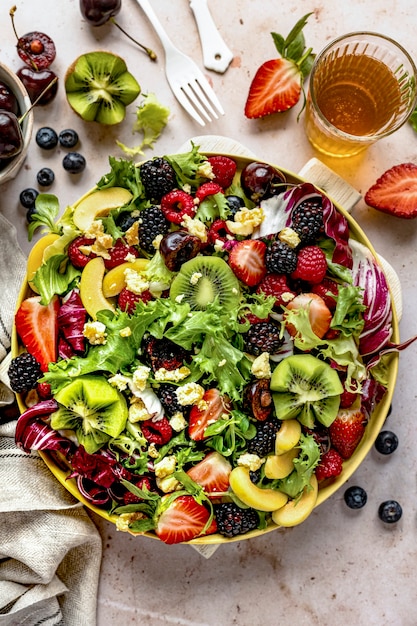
column 339, row 567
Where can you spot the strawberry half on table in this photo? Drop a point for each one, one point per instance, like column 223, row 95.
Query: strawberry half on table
column 278, row 83
column 395, row 192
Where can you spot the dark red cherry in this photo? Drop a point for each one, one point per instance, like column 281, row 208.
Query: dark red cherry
column 36, row 82
column 36, row 49
column 98, row 12
column 11, row 138
column 8, row 100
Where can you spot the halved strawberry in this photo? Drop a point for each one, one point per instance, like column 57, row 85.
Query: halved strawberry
column 347, row 430
column 319, row 314
column 212, row 473
column 183, row 520
column 247, row 260
column 37, row 327
column 213, row 406
column 395, row 192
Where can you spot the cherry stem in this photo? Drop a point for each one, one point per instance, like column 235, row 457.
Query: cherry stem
column 151, row 54
column 35, row 102
column 11, row 13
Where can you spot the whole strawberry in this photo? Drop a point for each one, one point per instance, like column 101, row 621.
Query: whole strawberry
column 277, row 85
column 347, row 430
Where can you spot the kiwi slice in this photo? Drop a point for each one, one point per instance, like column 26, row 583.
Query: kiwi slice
column 306, row 388
column 93, row 409
column 202, row 279
column 98, row 87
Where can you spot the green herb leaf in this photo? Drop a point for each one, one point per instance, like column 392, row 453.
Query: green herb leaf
column 46, row 212
column 151, row 119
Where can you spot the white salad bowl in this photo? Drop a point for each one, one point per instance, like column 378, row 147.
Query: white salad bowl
column 326, row 488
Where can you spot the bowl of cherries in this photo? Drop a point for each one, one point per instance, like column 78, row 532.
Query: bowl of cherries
column 16, row 123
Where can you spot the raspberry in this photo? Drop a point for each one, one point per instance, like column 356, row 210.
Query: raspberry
column 325, row 289
column 158, row 432
column 119, row 253
column 207, row 189
column 176, row 204
column 78, row 258
column 276, row 285
column 330, row 466
column 127, row 299
column 280, row 258
column 218, row 231
column 131, row 498
column 311, row 265
column 223, row 169
column 158, row 178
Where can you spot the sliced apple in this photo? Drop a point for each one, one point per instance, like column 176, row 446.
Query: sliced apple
column 288, row 436
column 91, row 288
column 36, row 256
column 253, row 496
column 99, row 204
column 278, row 466
column 296, row 511
column 114, row 280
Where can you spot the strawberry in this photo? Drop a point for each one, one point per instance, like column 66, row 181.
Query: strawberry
column 212, row 408
column 247, row 260
column 37, row 327
column 311, row 265
column 277, row 84
column 395, row 192
column 182, row 519
column 212, row 473
column 330, row 465
column 347, row 430
column 224, row 169
column 276, row 285
column 318, row 313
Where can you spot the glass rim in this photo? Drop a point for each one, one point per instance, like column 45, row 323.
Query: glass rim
column 328, row 125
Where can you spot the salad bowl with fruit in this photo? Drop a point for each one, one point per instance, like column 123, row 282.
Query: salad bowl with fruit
column 205, row 347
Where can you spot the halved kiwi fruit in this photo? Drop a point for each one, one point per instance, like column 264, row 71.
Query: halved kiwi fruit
column 92, row 408
column 202, row 279
column 98, row 87
column 306, row 388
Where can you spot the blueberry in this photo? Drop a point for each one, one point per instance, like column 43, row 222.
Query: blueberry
column 68, row 138
column 355, row 497
column 74, row 162
column 390, row 511
column 234, row 204
column 386, row 442
column 45, row 177
column 27, row 197
column 30, row 213
column 46, row 138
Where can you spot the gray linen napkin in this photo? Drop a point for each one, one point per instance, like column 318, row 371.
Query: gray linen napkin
column 50, row 550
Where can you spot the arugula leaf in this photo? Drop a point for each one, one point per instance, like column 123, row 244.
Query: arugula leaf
column 151, row 119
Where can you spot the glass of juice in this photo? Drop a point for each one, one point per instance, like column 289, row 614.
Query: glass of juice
column 362, row 88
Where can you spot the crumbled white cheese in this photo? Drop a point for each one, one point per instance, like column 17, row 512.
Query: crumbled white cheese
column 180, row 298
column 252, row 461
column 195, row 227
column 195, row 277
column 246, row 220
column 123, row 520
column 222, row 363
column 102, row 241
column 156, row 242
column 289, row 236
column 135, row 282
column 172, row 375
column 190, row 393
column 132, row 234
column 119, row 381
column 168, row 484
column 125, row 332
column 153, row 451
column 178, row 422
column 261, row 367
column 95, row 333
column 138, row 411
column 140, row 377
column 165, row 467
column 205, row 169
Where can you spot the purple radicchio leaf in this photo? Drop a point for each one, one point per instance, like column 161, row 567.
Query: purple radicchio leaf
column 71, row 319
column 33, row 433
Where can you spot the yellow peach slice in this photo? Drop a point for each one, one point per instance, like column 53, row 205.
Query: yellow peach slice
column 296, row 511
column 253, row 496
column 91, row 288
column 98, row 204
column 278, row 466
column 36, row 256
column 114, row 280
column 288, row 436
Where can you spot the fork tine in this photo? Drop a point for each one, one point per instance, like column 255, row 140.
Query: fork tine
column 197, row 99
column 185, row 102
column 202, row 97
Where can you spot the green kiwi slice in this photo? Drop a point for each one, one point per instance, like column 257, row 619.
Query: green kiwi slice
column 98, row 87
column 307, row 389
column 202, row 279
column 93, row 409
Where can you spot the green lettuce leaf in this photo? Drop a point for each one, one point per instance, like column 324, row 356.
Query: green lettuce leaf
column 151, row 119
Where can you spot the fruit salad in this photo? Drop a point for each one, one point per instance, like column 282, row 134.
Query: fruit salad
column 201, row 345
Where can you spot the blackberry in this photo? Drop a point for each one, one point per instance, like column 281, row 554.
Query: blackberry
column 125, row 220
column 263, row 442
column 24, row 372
column 307, row 220
column 169, row 400
column 152, row 223
column 158, row 178
column 232, row 520
column 263, row 337
column 163, row 353
column 280, row 258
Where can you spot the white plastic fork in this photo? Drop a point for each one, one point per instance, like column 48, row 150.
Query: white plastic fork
column 185, row 78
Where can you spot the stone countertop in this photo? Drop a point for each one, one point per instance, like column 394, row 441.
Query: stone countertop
column 339, row 566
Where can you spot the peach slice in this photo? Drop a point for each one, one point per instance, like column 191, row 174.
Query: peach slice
column 253, row 496
column 36, row 256
column 288, row 436
column 114, row 280
column 280, row 466
column 99, row 204
column 91, row 288
column 296, row 511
